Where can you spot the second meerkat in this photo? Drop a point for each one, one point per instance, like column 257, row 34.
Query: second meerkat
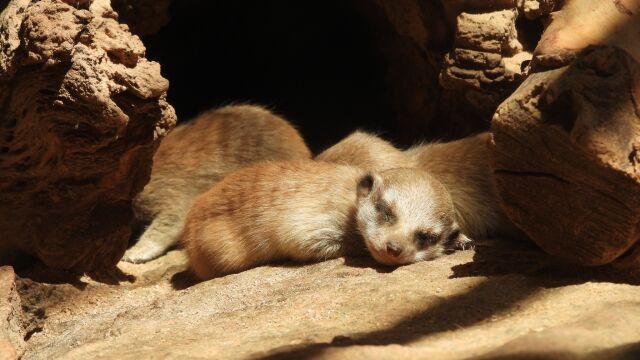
column 196, row 155
column 462, row 166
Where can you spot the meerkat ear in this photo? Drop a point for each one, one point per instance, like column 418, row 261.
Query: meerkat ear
column 367, row 184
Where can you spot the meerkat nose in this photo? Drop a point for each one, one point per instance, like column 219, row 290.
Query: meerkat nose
column 394, row 249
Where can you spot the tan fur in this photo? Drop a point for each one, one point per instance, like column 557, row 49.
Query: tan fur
column 313, row 211
column 366, row 151
column 464, row 169
column 196, row 155
column 461, row 166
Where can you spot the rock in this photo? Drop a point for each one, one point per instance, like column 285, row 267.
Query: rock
column 12, row 330
column 462, row 306
column 488, row 61
column 579, row 338
column 565, row 147
column 533, row 9
column 81, row 114
column 493, row 32
column 581, row 23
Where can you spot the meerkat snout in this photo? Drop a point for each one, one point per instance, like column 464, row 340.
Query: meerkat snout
column 393, row 249
column 405, row 216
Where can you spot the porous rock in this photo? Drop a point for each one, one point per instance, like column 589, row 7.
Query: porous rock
column 566, row 152
column 486, row 64
column 81, row 113
column 12, row 324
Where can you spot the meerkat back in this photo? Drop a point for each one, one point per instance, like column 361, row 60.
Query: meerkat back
column 272, row 211
column 463, row 166
column 195, row 156
column 366, row 151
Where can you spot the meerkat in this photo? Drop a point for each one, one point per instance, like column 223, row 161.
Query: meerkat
column 462, row 166
column 366, row 151
column 196, row 155
column 312, row 211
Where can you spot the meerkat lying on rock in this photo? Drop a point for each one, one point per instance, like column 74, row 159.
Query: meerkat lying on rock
column 196, row 155
column 462, row 166
column 366, row 151
column 309, row 211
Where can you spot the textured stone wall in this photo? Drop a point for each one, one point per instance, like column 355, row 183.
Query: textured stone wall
column 81, row 113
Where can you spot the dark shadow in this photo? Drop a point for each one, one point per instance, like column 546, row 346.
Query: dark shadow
column 498, row 257
column 313, row 62
column 367, row 262
column 184, row 280
column 112, row 276
column 622, row 352
column 495, row 257
column 460, row 311
column 38, row 272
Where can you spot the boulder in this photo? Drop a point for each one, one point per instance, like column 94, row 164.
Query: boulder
column 565, row 144
column 81, row 114
column 566, row 160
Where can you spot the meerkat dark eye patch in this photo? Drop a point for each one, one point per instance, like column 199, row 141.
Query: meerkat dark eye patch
column 453, row 237
column 385, row 213
column 425, row 238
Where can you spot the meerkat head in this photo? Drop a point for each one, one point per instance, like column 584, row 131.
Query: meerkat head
column 405, row 216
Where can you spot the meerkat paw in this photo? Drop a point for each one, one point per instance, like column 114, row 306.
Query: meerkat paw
column 463, row 243
column 144, row 251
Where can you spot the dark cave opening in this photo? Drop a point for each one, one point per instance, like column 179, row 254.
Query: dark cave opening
column 314, row 63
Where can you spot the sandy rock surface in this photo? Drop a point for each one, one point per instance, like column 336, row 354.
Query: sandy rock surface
column 496, row 302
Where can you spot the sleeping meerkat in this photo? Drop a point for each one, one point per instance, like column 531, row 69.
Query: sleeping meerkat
column 366, row 151
column 462, row 166
column 309, row 211
column 196, row 155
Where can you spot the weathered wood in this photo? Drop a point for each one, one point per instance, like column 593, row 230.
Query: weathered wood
column 81, row 113
column 566, row 152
